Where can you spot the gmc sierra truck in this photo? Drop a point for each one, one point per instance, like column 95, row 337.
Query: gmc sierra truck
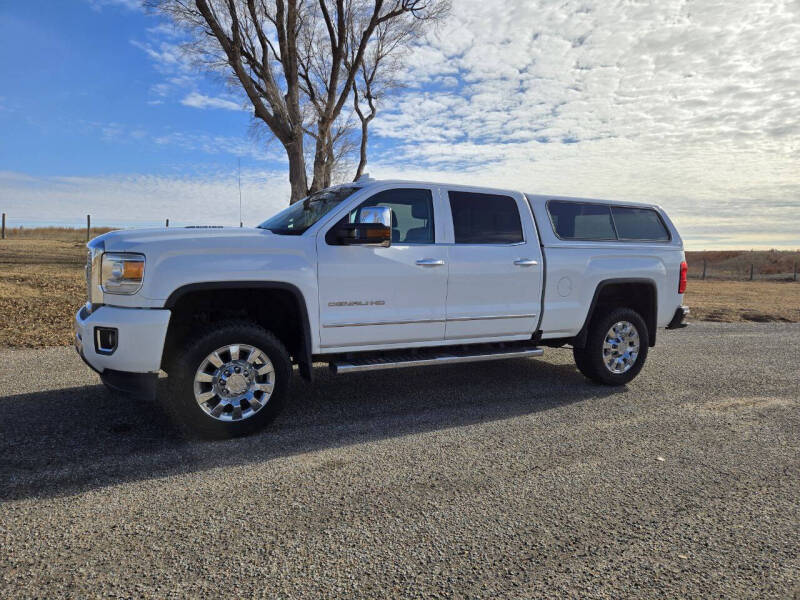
column 375, row 275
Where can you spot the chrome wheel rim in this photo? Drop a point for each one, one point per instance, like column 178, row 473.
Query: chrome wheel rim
column 234, row 382
column 621, row 347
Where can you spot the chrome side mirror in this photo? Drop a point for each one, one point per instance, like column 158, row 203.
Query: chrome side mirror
column 374, row 228
column 376, row 214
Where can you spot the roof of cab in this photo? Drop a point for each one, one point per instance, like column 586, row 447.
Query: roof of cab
column 365, row 181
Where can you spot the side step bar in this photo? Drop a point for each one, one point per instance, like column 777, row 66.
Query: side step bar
column 439, row 357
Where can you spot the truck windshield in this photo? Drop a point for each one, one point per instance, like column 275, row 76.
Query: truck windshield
column 301, row 215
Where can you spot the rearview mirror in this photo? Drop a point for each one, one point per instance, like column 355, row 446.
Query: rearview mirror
column 374, row 227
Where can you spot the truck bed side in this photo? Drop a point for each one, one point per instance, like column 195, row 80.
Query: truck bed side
column 576, row 270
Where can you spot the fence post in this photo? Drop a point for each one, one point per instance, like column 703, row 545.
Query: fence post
column 167, row 222
column 4, row 234
column 795, row 263
column 704, row 268
column 751, row 271
column 88, row 227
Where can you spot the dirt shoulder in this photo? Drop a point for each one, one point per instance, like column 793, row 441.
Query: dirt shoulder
column 42, row 286
column 736, row 301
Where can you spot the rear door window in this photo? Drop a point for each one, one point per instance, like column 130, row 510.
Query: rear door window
column 581, row 221
column 639, row 224
column 485, row 218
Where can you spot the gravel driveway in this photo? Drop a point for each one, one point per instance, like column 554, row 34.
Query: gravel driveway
column 510, row 479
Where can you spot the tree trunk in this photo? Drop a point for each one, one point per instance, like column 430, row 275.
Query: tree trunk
column 329, row 165
column 362, row 162
column 297, row 170
column 321, row 167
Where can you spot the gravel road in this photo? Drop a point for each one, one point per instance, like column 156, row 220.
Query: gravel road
column 510, row 479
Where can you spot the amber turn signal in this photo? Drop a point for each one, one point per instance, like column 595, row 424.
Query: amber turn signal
column 133, row 270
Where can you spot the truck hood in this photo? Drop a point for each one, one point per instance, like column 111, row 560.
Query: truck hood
column 181, row 256
column 184, row 238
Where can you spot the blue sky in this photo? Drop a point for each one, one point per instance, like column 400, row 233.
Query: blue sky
column 79, row 98
column 694, row 106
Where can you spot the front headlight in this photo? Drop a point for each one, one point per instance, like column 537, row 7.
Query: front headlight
column 122, row 272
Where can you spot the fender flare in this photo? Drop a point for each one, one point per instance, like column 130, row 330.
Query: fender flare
column 579, row 341
column 304, row 360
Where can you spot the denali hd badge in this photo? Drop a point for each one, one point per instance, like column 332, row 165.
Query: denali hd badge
column 358, row 303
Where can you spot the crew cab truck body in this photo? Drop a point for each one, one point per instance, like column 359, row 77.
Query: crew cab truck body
column 376, row 275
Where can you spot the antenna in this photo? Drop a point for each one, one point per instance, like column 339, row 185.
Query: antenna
column 239, row 161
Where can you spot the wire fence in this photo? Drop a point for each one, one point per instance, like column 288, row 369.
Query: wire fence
column 769, row 265
column 84, row 228
column 751, row 265
column 71, row 231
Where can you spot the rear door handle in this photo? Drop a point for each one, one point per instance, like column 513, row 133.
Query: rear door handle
column 526, row 262
column 430, row 262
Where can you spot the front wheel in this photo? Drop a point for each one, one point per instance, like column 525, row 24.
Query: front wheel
column 230, row 380
column 616, row 347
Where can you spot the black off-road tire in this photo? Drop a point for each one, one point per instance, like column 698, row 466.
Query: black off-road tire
column 180, row 403
column 589, row 359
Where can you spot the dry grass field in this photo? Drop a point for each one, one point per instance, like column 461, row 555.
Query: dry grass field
column 732, row 301
column 42, row 285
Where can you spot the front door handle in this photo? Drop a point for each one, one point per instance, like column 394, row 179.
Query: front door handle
column 526, row 262
column 430, row 262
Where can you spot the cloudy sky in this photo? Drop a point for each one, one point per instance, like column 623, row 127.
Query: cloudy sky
column 694, row 105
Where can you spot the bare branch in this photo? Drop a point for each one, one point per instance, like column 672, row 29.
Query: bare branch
column 298, row 62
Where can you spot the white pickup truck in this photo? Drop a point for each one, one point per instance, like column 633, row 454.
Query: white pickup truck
column 375, row 275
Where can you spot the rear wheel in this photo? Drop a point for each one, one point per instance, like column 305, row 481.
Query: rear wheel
column 230, row 380
column 616, row 347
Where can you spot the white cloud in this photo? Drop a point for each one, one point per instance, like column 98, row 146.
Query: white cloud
column 244, row 145
column 692, row 105
column 181, row 78
column 709, row 209
column 165, row 29
column 667, row 73
column 197, row 100
column 219, row 144
column 141, row 200
column 167, row 56
column 113, row 132
column 687, row 104
column 126, row 4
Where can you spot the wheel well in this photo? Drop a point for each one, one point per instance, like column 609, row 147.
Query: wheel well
column 639, row 295
column 277, row 309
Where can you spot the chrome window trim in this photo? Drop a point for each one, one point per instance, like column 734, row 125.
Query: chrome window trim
column 492, row 317
column 367, row 324
column 421, row 321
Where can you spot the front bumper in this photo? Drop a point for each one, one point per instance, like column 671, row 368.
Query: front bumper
column 678, row 319
column 139, row 339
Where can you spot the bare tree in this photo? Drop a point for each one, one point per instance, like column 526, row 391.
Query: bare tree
column 377, row 75
column 297, row 61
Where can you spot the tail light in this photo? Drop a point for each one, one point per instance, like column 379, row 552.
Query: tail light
column 682, row 280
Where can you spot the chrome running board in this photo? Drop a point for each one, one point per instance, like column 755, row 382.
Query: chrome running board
column 424, row 358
